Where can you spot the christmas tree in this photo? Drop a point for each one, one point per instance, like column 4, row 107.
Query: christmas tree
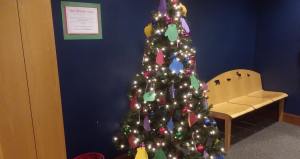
column 169, row 116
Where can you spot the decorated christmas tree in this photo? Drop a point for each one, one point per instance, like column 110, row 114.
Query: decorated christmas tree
column 169, row 116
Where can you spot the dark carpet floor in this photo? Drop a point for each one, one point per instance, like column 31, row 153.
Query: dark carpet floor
column 254, row 137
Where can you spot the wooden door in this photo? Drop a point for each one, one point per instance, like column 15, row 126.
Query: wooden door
column 16, row 128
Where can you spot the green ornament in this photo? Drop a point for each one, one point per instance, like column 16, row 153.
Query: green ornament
column 201, row 96
column 179, row 134
column 164, row 111
column 163, row 77
column 126, row 129
column 159, row 154
column 149, row 97
column 194, row 82
column 129, row 155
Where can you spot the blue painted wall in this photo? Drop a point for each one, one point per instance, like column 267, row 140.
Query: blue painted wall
column 95, row 75
column 278, row 47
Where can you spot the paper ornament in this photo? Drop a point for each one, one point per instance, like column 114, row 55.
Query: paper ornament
column 194, row 82
column 204, row 154
column 141, row 153
column 192, row 119
column 206, row 104
column 219, row 157
column 184, row 10
column 185, row 25
column 131, row 142
column 159, row 154
column 170, row 125
column 160, row 58
column 176, row 66
column 162, row 8
column 147, row 124
column 172, row 32
column 133, row 102
column 148, row 30
column 204, row 86
column 149, row 97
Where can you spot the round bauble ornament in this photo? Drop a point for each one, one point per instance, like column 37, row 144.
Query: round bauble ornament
column 168, row 20
column 200, row 149
column 153, row 23
column 134, row 92
column 129, row 154
column 174, row 2
column 147, row 74
column 152, row 115
column 162, row 100
column 214, row 123
column 162, row 77
column 185, row 110
column 188, row 73
column 192, row 58
column 179, row 134
column 159, row 33
column 142, row 145
column 126, row 129
column 207, row 122
column 173, row 57
column 186, row 59
column 162, row 131
column 164, row 112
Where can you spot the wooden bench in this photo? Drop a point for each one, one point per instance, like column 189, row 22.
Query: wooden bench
column 238, row 92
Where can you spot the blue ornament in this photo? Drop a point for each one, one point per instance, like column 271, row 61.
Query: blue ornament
column 153, row 23
column 207, row 122
column 214, row 123
column 186, row 59
column 219, row 157
column 159, row 33
column 173, row 57
column 152, row 115
column 176, row 66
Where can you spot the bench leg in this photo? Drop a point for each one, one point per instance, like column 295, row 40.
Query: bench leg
column 227, row 133
column 281, row 107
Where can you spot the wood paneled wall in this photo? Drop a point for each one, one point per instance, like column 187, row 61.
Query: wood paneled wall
column 16, row 129
column 31, row 122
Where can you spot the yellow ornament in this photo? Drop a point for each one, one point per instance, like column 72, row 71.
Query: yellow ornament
column 148, row 30
column 141, row 153
column 217, row 140
column 184, row 10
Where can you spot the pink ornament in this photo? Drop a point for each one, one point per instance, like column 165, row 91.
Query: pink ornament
column 192, row 58
column 168, row 20
column 186, row 34
column 160, row 58
column 200, row 149
column 188, row 73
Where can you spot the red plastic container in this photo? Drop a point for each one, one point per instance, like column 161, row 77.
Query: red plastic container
column 91, row 155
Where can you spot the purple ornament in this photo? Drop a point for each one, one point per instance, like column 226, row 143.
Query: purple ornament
column 168, row 20
column 162, row 7
column 142, row 145
column 204, row 86
column 185, row 25
column 186, row 34
column 188, row 73
column 206, row 104
column 147, row 124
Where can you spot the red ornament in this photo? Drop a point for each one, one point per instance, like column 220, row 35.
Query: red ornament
column 133, row 103
column 192, row 58
column 174, row 2
column 134, row 92
column 162, row 100
column 162, row 131
column 147, row 74
column 185, row 110
column 200, row 149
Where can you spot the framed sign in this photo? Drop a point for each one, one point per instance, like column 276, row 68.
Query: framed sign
column 81, row 20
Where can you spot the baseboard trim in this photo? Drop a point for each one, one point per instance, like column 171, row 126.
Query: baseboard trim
column 291, row 119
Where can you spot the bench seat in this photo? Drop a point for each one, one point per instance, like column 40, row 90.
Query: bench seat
column 274, row 96
column 251, row 101
column 233, row 110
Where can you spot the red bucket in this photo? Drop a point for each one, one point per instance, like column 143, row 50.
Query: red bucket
column 91, row 155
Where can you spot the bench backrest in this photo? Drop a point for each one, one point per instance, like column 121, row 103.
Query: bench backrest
column 233, row 84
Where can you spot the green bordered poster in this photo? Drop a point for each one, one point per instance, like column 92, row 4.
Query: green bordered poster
column 81, row 20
